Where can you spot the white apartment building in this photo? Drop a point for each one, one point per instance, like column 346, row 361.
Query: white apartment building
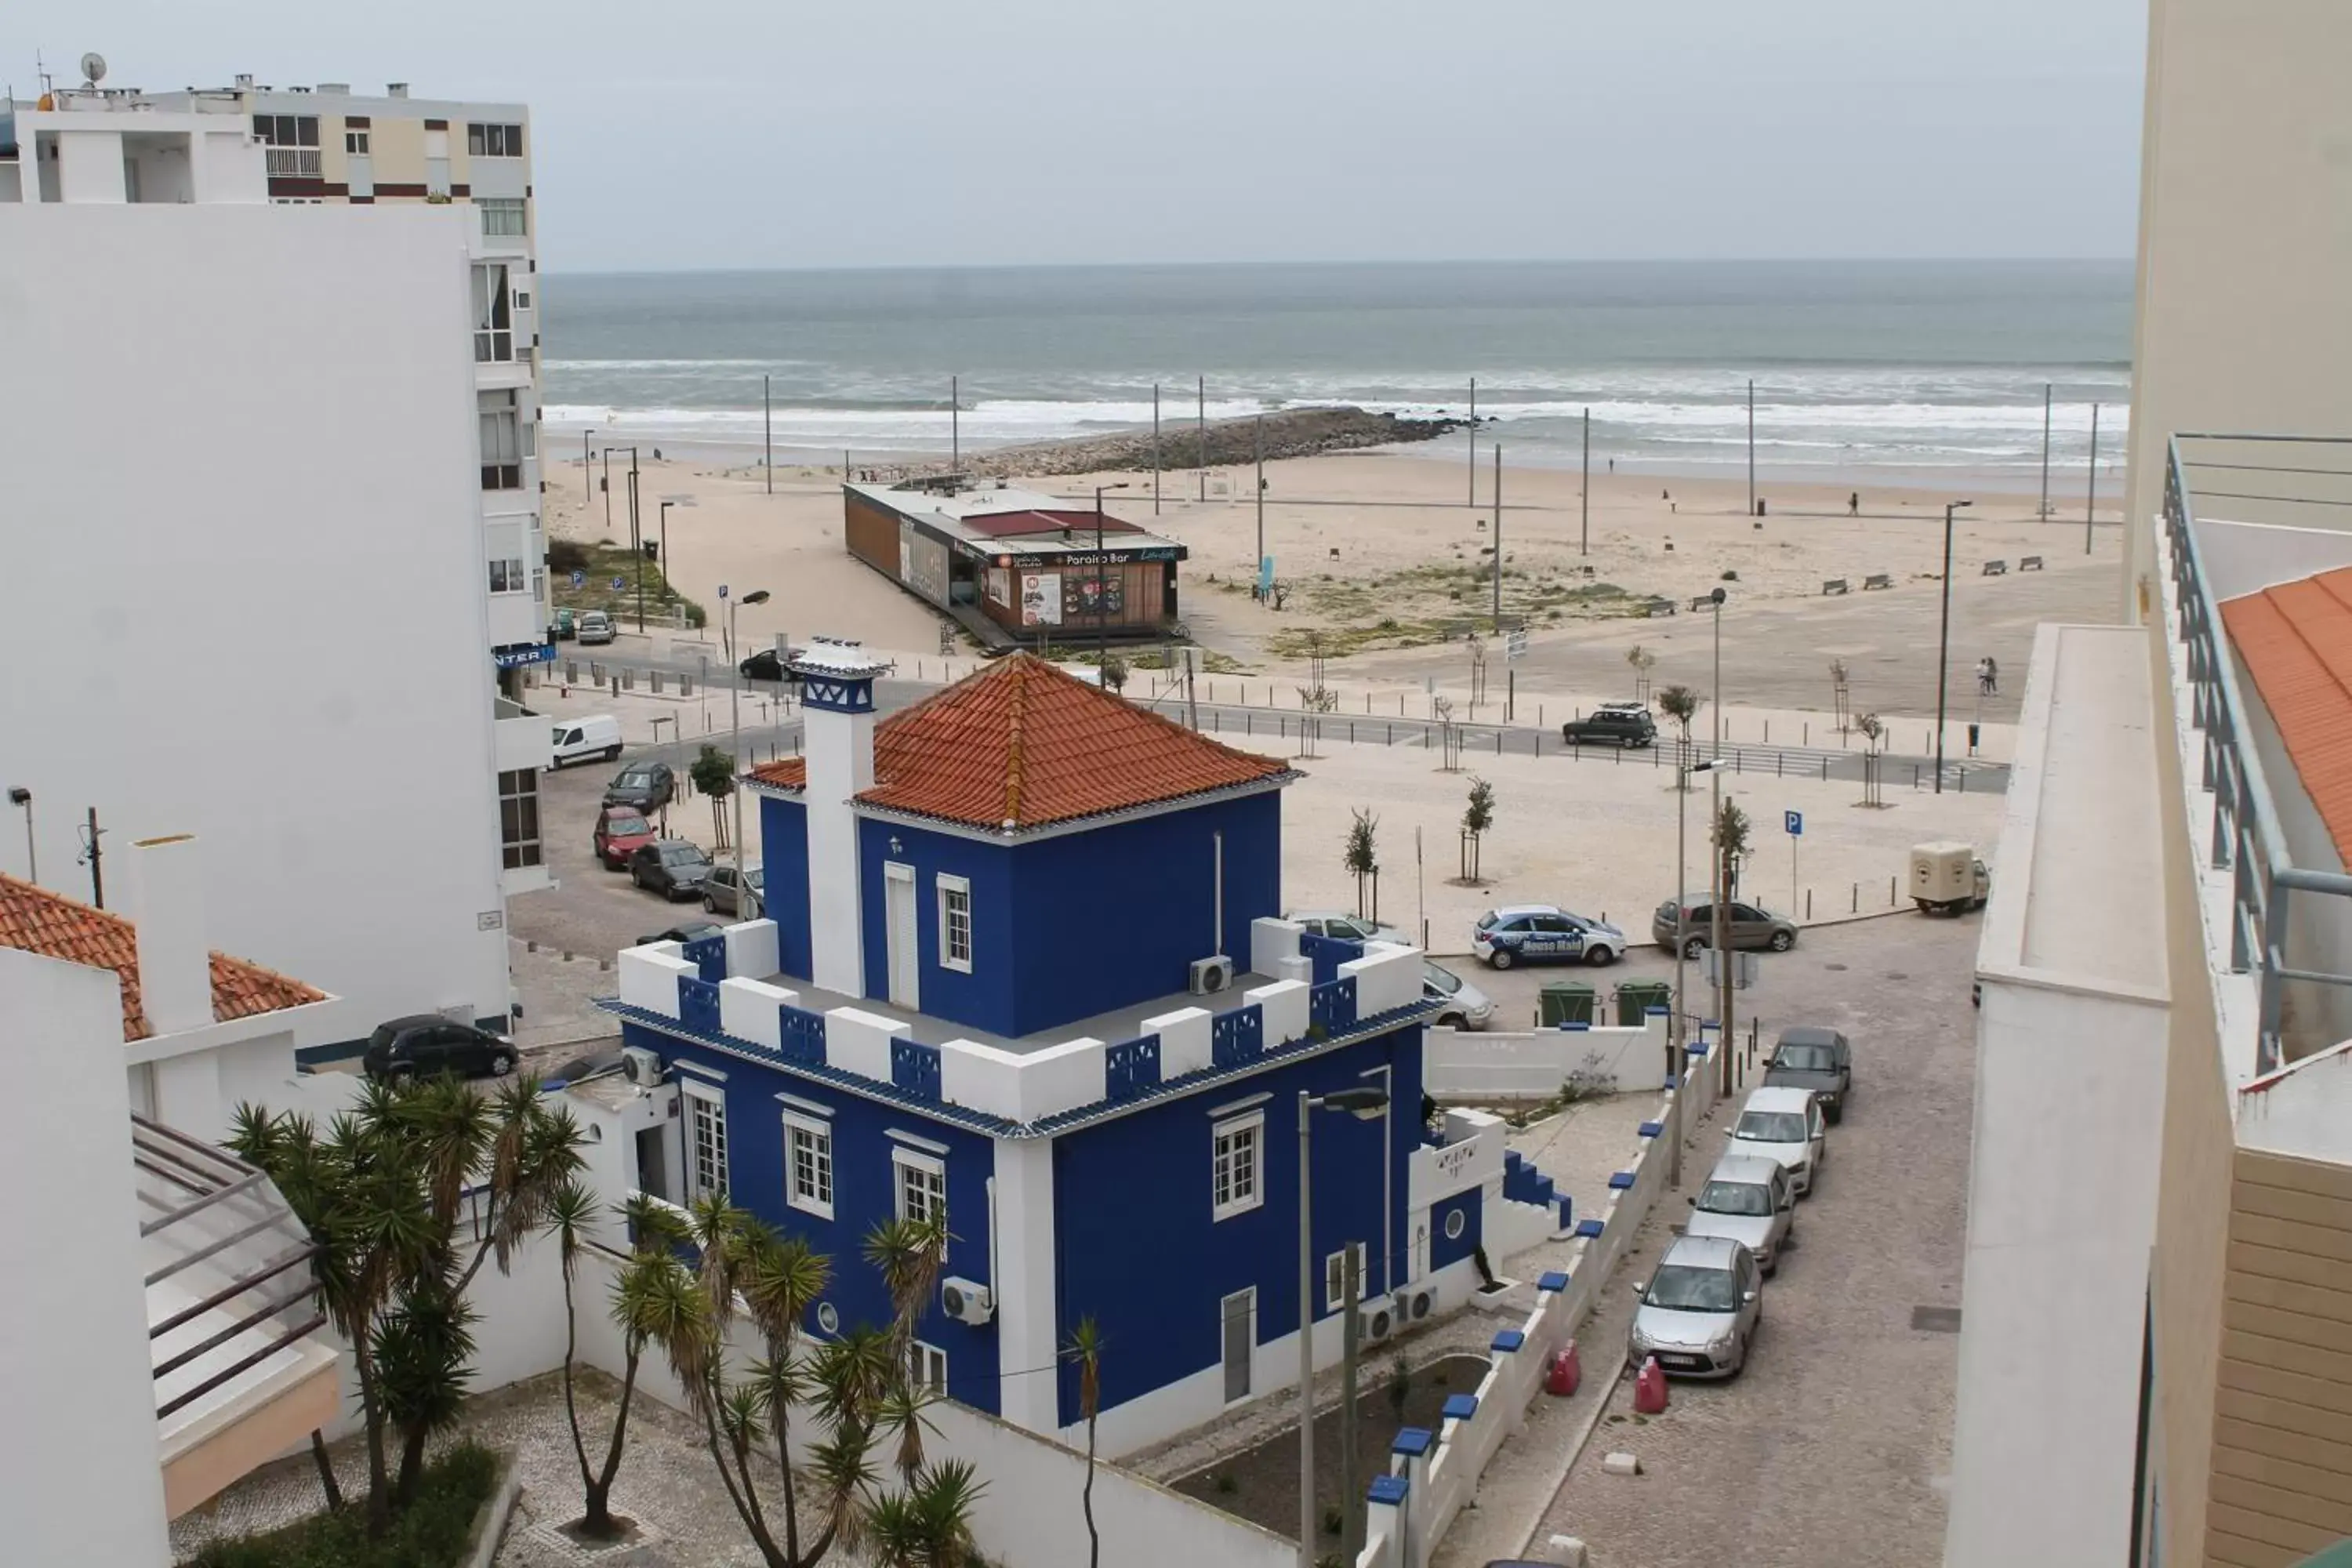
column 245, row 454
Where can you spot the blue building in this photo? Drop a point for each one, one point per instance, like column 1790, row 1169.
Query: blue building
column 1024, row 963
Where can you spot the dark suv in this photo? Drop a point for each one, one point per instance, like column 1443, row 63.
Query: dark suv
column 426, row 1045
column 1611, row 724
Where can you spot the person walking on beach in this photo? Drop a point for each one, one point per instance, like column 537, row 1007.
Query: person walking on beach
column 1988, row 676
column 1853, row 504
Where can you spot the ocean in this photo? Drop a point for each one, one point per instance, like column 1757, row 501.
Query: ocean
column 1868, row 369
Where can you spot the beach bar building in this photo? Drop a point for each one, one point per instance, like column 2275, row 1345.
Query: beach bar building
column 1013, row 566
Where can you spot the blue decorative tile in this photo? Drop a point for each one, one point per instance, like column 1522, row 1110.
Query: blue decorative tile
column 1414, row 1441
column 1554, row 1280
column 1459, row 1407
column 1389, row 1490
column 1508, row 1340
column 1621, row 1179
column 1588, row 1227
column 1653, row 1129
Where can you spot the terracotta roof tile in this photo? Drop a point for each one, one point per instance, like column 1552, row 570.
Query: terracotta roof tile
column 1023, row 745
column 2296, row 642
column 38, row 921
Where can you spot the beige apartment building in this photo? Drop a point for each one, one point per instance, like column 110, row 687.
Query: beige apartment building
column 2156, row 1344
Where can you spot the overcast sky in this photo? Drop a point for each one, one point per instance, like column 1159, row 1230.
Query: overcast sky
column 739, row 133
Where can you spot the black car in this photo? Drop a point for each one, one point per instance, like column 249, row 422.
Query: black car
column 768, row 665
column 1808, row 1056
column 670, row 866
column 648, row 786
column 428, row 1044
column 683, row 933
column 1625, row 724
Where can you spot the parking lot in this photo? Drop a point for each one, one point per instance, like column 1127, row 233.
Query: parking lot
column 1834, row 1446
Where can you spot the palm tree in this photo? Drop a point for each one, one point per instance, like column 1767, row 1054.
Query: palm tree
column 1084, row 1347
column 636, row 1296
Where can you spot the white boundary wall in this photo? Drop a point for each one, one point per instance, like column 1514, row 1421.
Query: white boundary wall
column 1492, row 1064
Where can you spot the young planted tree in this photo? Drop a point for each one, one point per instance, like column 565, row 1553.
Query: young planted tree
column 1730, row 836
column 1476, row 818
column 1680, row 704
column 1362, row 856
column 1642, row 661
column 407, row 1195
column 1114, row 673
column 713, row 773
column 1084, row 1347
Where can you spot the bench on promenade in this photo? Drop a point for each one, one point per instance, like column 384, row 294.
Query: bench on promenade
column 1996, row 568
column 1877, row 580
column 1702, row 601
column 1657, row 606
column 1834, row 585
column 2029, row 563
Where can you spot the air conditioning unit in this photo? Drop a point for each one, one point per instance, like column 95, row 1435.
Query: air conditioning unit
column 966, row 1302
column 1375, row 1323
column 1415, row 1303
column 1211, row 976
column 643, row 1066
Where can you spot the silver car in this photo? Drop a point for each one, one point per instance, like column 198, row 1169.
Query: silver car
column 1460, row 1005
column 1784, row 1125
column 719, row 891
column 1700, row 1310
column 1747, row 1200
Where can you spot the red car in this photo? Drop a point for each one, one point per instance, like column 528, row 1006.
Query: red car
column 620, row 831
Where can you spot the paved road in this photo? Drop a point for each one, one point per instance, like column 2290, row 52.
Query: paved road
column 1834, row 1447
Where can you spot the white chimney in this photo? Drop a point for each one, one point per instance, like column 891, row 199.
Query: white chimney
column 837, row 740
column 396, row 89
column 176, row 978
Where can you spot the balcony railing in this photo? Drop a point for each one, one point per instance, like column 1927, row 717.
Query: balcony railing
column 2269, row 479
column 293, row 162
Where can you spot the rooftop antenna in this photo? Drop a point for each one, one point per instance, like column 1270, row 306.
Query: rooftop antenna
column 93, row 70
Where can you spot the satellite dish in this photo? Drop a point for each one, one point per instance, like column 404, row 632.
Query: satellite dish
column 93, row 67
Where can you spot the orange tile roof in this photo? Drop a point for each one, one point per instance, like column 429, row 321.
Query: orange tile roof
column 38, row 921
column 1024, row 743
column 2296, row 642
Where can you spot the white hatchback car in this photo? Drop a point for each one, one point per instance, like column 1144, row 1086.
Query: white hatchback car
column 1784, row 1125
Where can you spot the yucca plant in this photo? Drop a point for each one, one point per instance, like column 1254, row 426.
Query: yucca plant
column 1084, row 1347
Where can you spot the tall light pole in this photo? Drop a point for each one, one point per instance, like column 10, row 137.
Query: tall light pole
column 1473, row 441
column 2047, row 391
column 587, row 487
column 1364, row 1103
column 1679, row 1047
column 735, row 744
column 20, row 796
column 1944, row 642
column 1722, row 888
column 665, row 548
column 2091, row 494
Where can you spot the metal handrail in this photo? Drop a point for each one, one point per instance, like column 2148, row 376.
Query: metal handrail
column 2247, row 841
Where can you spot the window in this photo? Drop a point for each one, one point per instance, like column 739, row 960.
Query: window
column 706, row 1112
column 1236, row 1180
column 508, row 575
column 808, row 1156
column 955, row 923
column 355, row 143
column 519, row 817
column 502, row 216
column 502, row 441
column 1335, row 1279
column 493, row 316
column 927, row 1368
column 1457, row 1222
column 922, row 1183
column 494, row 140
column 292, row 140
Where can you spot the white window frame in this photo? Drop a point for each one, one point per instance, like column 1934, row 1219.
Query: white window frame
column 818, row 1137
column 910, row 1170
column 503, row 208
column 701, row 1100
column 927, row 1367
column 1335, row 1286
column 954, row 887
column 356, row 142
column 1226, row 1172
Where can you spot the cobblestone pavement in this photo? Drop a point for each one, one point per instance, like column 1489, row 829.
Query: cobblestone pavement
column 1834, row 1447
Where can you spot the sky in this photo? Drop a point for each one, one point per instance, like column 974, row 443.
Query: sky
column 738, row 134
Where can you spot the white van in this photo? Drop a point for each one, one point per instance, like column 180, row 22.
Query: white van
column 598, row 735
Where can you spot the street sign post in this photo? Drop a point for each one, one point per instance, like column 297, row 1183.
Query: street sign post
column 1514, row 644
column 579, row 578
column 1794, row 821
column 616, row 584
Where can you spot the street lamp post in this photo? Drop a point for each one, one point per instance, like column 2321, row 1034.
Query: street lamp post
column 20, row 796
column 735, row 740
column 587, row 486
column 1677, row 1052
column 1366, row 1103
column 1721, row 882
column 1944, row 641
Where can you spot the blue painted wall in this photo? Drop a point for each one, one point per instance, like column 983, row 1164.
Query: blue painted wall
column 1114, row 917
column 865, row 1194
column 784, row 853
column 1137, row 1249
column 983, row 998
column 1442, row 1251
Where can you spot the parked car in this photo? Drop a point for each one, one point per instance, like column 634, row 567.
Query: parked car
column 1807, row 1057
column 720, row 890
column 1345, row 927
column 768, row 665
column 1460, row 1005
column 670, row 866
column 426, row 1044
column 1627, row 724
column 595, row 628
column 648, row 786
column 566, row 626
column 1746, row 1199
column 1785, row 1125
column 1700, row 1310
column 684, row 931
column 1544, row 933
column 1751, row 926
column 576, row 740
column 621, row 831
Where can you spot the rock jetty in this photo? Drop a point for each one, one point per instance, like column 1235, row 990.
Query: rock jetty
column 1291, row 433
